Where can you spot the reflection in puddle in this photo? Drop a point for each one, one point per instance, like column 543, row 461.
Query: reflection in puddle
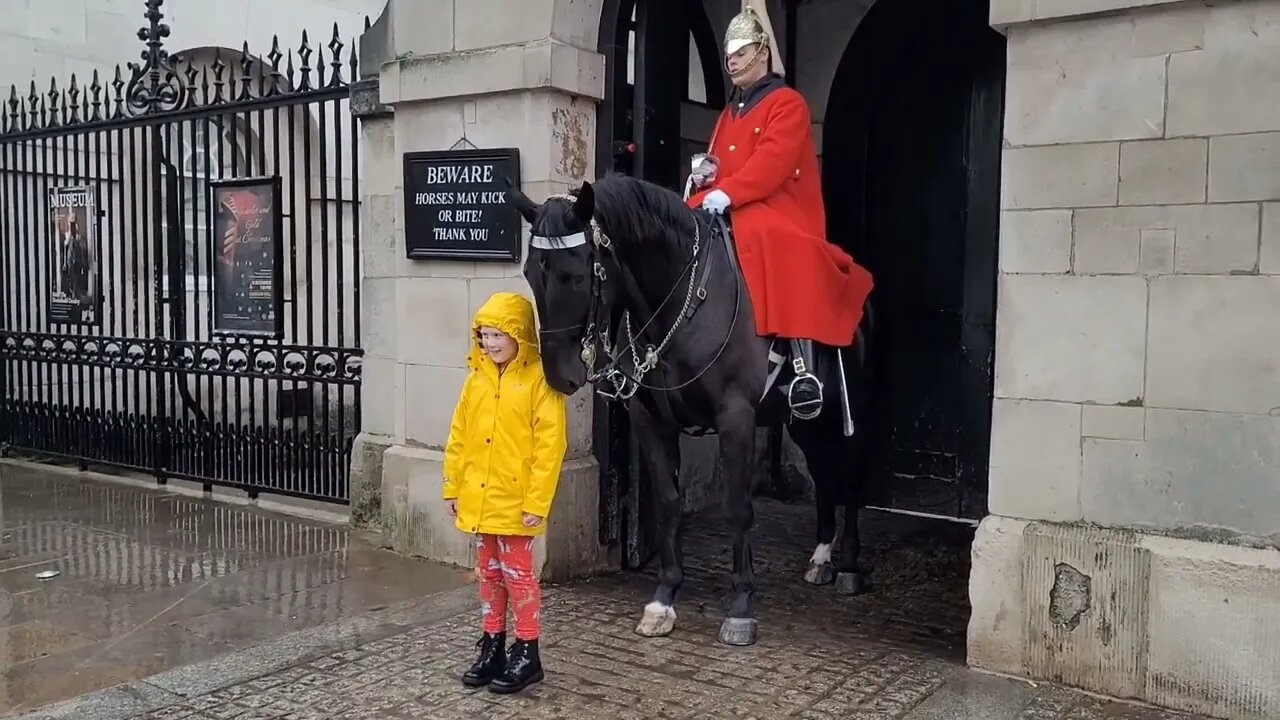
column 149, row 581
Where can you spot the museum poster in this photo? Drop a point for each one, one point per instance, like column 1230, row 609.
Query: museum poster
column 247, row 292
column 75, row 296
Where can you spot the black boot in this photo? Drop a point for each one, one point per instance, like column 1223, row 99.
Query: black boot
column 491, row 663
column 524, row 668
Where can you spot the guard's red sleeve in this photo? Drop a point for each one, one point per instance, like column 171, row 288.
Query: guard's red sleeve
column 773, row 161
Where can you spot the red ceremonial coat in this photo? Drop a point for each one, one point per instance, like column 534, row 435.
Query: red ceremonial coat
column 801, row 286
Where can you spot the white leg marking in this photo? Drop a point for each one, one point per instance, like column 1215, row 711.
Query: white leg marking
column 659, row 620
column 821, row 554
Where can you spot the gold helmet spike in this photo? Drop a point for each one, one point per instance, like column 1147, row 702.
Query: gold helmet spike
column 751, row 27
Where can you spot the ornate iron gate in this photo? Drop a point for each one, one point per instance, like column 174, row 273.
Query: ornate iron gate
column 162, row 330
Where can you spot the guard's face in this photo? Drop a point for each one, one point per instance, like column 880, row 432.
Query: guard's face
column 745, row 67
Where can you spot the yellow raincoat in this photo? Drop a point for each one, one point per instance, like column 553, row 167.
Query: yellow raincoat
column 509, row 435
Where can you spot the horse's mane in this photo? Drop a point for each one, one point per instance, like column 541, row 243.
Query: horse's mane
column 632, row 211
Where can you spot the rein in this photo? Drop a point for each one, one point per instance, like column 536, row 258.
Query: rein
column 598, row 329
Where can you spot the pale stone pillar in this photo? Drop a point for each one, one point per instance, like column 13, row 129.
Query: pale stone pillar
column 448, row 72
column 1136, row 431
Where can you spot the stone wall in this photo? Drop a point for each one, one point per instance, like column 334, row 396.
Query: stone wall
column 451, row 72
column 1137, row 383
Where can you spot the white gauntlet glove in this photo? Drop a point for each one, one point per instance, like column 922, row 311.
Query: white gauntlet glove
column 716, row 202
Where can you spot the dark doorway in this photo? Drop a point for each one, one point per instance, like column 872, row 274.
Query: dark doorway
column 912, row 140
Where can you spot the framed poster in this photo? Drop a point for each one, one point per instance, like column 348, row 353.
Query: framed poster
column 248, row 253
column 455, row 205
column 75, row 292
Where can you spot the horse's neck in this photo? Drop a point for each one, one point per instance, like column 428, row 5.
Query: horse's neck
column 652, row 282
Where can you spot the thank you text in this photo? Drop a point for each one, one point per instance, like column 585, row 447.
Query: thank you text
column 457, row 205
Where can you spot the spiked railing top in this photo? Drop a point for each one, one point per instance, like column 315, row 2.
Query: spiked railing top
column 164, row 83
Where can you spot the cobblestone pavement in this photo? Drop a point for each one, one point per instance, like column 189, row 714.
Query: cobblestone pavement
column 894, row 654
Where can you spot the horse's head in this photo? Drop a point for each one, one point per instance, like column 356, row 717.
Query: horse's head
column 570, row 297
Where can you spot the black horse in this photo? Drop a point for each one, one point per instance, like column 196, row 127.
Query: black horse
column 642, row 296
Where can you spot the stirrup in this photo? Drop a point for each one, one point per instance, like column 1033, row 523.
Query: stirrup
column 805, row 409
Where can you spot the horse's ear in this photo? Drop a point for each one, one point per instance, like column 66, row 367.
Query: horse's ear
column 585, row 207
column 528, row 209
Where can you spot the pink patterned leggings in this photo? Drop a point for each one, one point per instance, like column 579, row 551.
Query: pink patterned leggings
column 504, row 565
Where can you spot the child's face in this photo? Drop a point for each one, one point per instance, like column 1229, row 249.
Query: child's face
column 500, row 346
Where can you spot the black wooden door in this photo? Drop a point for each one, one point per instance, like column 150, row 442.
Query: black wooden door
column 911, row 177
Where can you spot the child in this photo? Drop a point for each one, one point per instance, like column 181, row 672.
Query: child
column 502, row 463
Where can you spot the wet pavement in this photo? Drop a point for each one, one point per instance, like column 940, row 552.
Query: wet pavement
column 149, row 580
column 300, row 635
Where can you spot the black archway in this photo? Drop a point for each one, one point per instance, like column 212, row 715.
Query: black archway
column 911, row 159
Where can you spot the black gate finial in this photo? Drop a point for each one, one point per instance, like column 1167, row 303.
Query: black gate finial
column 154, row 85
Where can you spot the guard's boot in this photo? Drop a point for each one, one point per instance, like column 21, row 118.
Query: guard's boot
column 805, row 392
column 524, row 668
column 490, row 664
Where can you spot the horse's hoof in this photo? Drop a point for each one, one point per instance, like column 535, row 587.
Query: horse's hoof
column 738, row 631
column 851, row 583
column 658, row 621
column 820, row 574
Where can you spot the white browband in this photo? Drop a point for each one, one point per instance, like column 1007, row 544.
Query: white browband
column 560, row 243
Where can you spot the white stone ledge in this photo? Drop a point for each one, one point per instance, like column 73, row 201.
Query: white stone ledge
column 546, row 64
column 1015, row 12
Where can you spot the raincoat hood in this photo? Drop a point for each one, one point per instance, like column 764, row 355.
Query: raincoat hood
column 511, row 313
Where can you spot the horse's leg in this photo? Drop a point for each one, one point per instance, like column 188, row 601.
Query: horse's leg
column 824, row 468
column 660, row 453
column 737, row 428
column 821, row 571
column 850, row 577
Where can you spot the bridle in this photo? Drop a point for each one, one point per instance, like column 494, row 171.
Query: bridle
column 598, row 327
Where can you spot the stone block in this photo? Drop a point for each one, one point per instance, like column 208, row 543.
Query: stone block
column 1156, row 252
column 1037, row 241
column 1163, row 172
column 1217, row 91
column 433, row 321
column 573, row 548
column 1035, row 460
column 1068, row 84
column 997, row 622
column 380, row 250
column 1170, row 29
column 1086, row 611
column 1269, row 261
column 1046, row 322
column 431, row 394
column 422, row 27
column 1114, row 422
column 415, row 521
column 1213, row 344
column 1208, row 238
column 1008, row 12
column 1060, row 176
column 1224, row 664
column 381, row 171
column 1244, row 167
column 382, row 397
column 481, row 289
column 366, row 479
column 378, row 317
column 487, row 23
column 494, row 70
column 1211, row 474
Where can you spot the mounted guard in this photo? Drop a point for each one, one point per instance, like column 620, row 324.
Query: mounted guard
column 762, row 168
